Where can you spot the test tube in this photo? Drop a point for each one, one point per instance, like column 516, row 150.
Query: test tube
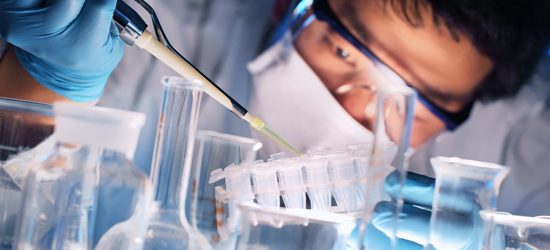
column 462, row 188
column 394, row 107
column 265, row 185
column 342, row 176
column 318, row 183
column 504, row 231
column 291, row 182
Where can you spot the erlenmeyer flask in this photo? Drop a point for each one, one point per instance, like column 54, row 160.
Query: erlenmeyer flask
column 462, row 189
column 60, row 193
column 125, row 196
column 392, row 128
column 24, row 127
column 168, row 226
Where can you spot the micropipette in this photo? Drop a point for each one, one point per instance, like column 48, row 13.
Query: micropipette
column 132, row 30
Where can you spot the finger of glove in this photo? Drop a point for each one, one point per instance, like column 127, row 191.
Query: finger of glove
column 376, row 240
column 96, row 19
column 60, row 14
column 413, row 222
column 24, row 27
column 420, row 189
column 20, row 4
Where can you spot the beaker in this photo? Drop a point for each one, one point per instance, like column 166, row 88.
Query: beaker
column 170, row 170
column 24, row 127
column 293, row 229
column 462, row 189
column 504, row 231
column 60, row 194
column 212, row 206
column 394, row 107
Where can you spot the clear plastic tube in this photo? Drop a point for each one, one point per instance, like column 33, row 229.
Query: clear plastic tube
column 462, row 188
column 260, row 126
column 172, row 158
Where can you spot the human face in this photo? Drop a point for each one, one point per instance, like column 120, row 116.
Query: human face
column 444, row 72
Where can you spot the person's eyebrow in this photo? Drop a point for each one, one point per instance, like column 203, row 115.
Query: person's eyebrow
column 349, row 13
column 432, row 93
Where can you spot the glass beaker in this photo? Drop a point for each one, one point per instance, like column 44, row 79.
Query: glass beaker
column 462, row 189
column 24, row 129
column 170, row 170
column 60, row 194
column 511, row 232
column 213, row 206
column 293, row 229
column 392, row 127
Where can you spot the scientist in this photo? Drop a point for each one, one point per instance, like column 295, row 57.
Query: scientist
column 452, row 53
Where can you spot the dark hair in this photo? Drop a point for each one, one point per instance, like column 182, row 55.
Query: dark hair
column 513, row 33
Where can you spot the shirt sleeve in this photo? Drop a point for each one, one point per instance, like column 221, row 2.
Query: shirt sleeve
column 3, row 46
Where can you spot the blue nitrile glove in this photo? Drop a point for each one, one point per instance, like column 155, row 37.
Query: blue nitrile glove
column 460, row 230
column 69, row 46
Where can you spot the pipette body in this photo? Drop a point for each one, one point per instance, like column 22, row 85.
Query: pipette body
column 133, row 30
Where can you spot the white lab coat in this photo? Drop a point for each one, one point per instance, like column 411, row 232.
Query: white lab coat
column 217, row 36
column 512, row 132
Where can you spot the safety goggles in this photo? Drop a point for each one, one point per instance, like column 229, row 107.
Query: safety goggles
column 323, row 12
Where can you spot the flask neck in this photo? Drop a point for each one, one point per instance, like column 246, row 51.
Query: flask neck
column 174, row 145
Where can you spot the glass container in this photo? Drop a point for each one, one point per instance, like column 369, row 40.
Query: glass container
column 171, row 166
column 293, row 229
column 24, row 127
column 212, row 204
column 512, row 232
column 462, row 189
column 60, row 193
column 394, row 107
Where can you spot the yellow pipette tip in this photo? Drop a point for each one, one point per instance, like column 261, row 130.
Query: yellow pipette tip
column 260, row 126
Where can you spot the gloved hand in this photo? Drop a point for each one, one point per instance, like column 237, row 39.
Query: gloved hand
column 69, row 46
column 458, row 230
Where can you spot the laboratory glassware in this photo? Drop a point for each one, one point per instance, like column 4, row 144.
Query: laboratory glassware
column 462, row 188
column 512, row 232
column 212, row 205
column 170, row 170
column 394, row 109
column 133, row 30
column 24, row 129
column 125, row 197
column 60, row 190
column 293, row 229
